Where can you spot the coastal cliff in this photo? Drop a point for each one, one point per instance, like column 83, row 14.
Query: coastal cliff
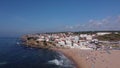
column 32, row 42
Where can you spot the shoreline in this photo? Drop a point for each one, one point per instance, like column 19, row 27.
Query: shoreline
column 72, row 58
column 91, row 58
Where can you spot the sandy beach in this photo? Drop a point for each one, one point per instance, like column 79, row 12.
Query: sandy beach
column 93, row 59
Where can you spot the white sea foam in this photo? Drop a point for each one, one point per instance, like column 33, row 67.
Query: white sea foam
column 62, row 61
column 55, row 61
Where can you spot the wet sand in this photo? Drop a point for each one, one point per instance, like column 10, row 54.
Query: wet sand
column 93, row 59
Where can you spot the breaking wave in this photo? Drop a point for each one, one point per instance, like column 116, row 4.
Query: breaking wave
column 62, row 61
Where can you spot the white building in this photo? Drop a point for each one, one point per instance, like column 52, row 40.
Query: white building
column 76, row 39
column 103, row 33
column 68, row 43
column 40, row 39
column 61, row 43
column 89, row 37
column 83, row 35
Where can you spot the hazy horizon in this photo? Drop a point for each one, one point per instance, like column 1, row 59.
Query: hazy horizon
column 19, row 17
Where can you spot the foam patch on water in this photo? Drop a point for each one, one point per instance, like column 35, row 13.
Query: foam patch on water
column 62, row 61
column 3, row 63
column 56, row 62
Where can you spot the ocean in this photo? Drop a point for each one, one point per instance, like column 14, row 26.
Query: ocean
column 13, row 55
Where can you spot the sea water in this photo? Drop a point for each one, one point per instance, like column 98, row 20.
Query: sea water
column 14, row 55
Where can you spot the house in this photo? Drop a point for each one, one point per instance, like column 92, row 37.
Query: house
column 89, row 37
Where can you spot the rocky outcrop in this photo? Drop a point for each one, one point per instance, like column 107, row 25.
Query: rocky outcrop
column 32, row 42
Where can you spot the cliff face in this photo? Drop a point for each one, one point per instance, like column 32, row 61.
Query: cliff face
column 33, row 42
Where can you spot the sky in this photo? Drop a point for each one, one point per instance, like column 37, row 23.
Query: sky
column 35, row 16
